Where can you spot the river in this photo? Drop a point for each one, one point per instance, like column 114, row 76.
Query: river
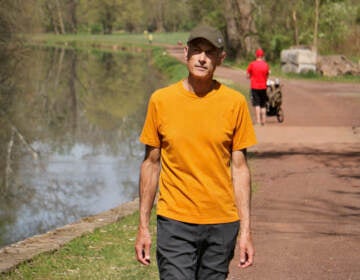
column 70, row 122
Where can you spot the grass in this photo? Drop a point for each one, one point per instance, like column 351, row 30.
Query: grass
column 107, row 253
column 171, row 67
column 276, row 72
column 109, row 40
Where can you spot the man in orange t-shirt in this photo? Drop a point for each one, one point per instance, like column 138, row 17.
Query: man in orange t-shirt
column 196, row 133
column 258, row 72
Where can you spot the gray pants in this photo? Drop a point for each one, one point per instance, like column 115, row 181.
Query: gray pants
column 194, row 252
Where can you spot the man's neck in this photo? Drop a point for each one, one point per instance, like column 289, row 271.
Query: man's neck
column 199, row 87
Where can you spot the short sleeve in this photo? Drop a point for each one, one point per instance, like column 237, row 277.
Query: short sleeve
column 149, row 135
column 244, row 134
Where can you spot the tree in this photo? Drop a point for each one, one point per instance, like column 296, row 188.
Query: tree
column 107, row 12
column 14, row 17
column 72, row 8
column 316, row 25
column 208, row 11
column 131, row 16
column 59, row 15
column 96, row 16
column 242, row 35
column 327, row 25
column 154, row 14
column 53, row 16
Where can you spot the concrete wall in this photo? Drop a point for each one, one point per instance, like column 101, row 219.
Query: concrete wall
column 298, row 60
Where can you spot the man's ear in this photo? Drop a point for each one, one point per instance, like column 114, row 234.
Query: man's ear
column 221, row 58
column 186, row 53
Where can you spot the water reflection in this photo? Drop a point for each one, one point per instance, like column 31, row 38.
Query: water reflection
column 69, row 127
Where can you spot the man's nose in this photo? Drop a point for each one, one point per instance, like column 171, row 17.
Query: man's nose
column 202, row 56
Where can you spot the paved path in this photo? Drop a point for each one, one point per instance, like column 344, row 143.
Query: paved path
column 306, row 213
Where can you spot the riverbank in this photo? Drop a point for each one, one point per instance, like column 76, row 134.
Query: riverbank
column 25, row 250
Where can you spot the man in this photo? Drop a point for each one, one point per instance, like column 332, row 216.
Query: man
column 198, row 130
column 258, row 72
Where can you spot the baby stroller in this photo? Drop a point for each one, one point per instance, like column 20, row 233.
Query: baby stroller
column 273, row 105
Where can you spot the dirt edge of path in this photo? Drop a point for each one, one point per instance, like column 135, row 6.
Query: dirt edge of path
column 13, row 255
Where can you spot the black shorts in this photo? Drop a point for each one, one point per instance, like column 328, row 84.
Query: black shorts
column 192, row 251
column 259, row 97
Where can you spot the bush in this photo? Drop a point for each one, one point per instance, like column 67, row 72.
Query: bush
column 96, row 28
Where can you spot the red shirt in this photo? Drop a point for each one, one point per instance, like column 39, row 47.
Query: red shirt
column 258, row 71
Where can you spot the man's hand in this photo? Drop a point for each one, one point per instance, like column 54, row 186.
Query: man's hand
column 142, row 246
column 247, row 250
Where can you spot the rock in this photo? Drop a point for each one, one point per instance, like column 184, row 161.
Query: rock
column 337, row 65
column 298, row 60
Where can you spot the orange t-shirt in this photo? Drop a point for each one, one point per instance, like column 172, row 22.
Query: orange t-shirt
column 197, row 136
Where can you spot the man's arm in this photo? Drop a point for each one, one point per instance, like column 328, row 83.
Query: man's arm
column 149, row 178
column 248, row 71
column 242, row 187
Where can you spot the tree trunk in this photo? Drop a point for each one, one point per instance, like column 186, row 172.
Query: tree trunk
column 59, row 67
column 296, row 32
column 240, row 26
column 52, row 17
column 234, row 42
column 8, row 169
column 316, row 25
column 60, row 18
column 160, row 17
column 72, row 93
column 73, row 18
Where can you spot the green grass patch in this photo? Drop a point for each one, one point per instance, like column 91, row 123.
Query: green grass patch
column 318, row 77
column 169, row 66
column 276, row 72
column 109, row 40
column 107, row 253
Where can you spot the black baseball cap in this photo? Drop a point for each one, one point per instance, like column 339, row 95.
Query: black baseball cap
column 208, row 33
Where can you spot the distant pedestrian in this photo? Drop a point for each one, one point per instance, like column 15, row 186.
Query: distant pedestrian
column 150, row 38
column 258, row 73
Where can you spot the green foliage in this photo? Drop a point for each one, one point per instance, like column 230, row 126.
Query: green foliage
column 334, row 24
column 279, row 24
column 277, row 44
column 173, row 70
column 131, row 16
column 208, row 11
column 285, row 23
column 95, row 28
column 357, row 18
column 338, row 22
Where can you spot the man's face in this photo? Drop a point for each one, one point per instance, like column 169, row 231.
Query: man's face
column 202, row 58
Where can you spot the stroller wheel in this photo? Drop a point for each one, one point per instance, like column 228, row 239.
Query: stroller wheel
column 280, row 115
